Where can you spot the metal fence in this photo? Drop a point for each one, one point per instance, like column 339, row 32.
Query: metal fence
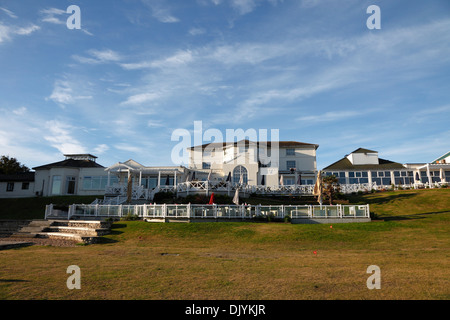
column 216, row 211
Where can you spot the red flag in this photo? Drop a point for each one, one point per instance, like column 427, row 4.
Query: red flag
column 211, row 200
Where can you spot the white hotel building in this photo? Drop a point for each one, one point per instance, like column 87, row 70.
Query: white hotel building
column 254, row 167
column 285, row 168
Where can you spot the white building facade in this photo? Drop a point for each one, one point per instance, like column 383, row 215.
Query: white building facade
column 364, row 167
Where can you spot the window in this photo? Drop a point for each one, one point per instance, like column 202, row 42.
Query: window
column 10, row 186
column 98, row 182
column 290, row 152
column 206, row 165
column 237, row 172
column 25, row 185
column 288, row 181
column 56, row 185
column 290, row 164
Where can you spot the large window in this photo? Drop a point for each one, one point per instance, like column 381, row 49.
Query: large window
column 98, row 182
column 56, row 185
column 338, row 174
column 290, row 165
column 237, row 172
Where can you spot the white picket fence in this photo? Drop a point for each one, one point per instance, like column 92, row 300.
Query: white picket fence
column 216, row 211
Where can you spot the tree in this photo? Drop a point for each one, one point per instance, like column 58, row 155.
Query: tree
column 11, row 166
column 330, row 187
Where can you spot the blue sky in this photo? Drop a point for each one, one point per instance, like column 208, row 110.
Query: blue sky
column 139, row 69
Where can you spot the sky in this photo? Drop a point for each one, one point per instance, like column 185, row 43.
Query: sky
column 137, row 71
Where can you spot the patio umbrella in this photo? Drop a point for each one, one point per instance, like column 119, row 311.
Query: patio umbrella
column 281, row 180
column 262, row 180
column 241, row 179
column 209, row 175
column 236, row 197
column 417, row 176
column 129, row 187
column 211, row 199
column 318, row 187
column 299, row 180
column 229, row 176
column 167, row 180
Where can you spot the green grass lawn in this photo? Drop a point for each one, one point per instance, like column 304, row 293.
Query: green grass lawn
column 243, row 260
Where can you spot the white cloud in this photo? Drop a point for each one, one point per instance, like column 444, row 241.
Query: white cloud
column 101, row 149
column 161, row 11
column 141, row 98
column 63, row 93
column 27, row 30
column 330, row 116
column 243, row 6
column 6, row 32
column 60, row 137
column 51, row 15
column 20, row 111
column 196, row 31
column 98, row 57
column 9, row 13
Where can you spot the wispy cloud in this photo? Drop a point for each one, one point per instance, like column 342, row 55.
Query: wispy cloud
column 8, row 31
column 9, row 13
column 141, row 98
column 52, row 15
column 331, row 116
column 64, row 94
column 161, row 11
column 61, row 138
column 98, row 57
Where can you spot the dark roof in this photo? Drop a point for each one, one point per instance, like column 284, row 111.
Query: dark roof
column 362, row 150
column 265, row 143
column 345, row 164
column 23, row 176
column 70, row 163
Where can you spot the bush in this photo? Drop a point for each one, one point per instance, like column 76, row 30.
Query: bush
column 130, row 217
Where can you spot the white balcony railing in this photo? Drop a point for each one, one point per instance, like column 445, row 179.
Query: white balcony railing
column 202, row 211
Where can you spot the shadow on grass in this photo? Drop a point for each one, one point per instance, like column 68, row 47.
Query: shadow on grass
column 415, row 216
column 381, row 198
column 14, row 280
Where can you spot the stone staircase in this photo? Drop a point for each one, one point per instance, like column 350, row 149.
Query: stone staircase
column 74, row 230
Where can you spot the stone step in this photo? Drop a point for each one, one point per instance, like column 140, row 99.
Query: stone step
column 78, row 230
column 23, row 235
column 68, row 236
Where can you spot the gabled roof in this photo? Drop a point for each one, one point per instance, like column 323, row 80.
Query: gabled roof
column 345, row 164
column 362, row 150
column 70, row 163
column 281, row 144
column 442, row 157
